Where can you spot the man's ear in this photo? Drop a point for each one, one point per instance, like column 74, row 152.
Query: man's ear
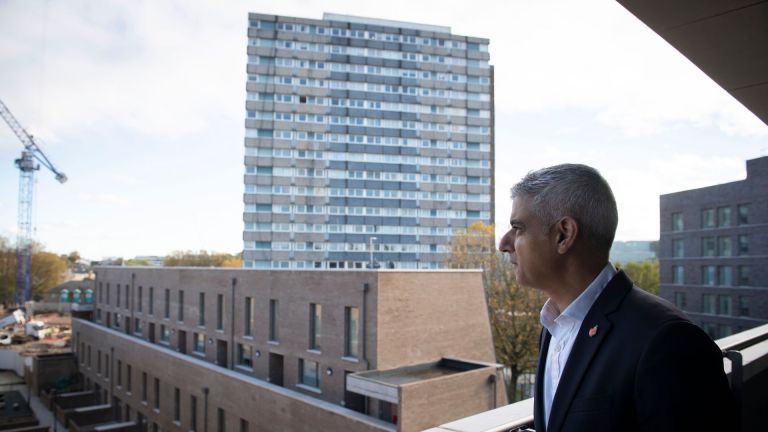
column 566, row 230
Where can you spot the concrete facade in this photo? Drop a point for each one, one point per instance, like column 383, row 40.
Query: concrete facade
column 714, row 252
column 363, row 134
column 402, row 319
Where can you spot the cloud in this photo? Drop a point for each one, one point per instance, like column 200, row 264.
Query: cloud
column 102, row 198
column 147, row 67
column 144, row 93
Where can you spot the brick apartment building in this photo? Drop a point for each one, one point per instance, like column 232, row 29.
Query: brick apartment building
column 714, row 252
column 251, row 350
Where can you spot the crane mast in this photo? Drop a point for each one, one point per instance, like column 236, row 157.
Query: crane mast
column 29, row 162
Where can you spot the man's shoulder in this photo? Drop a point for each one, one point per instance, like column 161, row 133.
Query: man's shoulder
column 645, row 311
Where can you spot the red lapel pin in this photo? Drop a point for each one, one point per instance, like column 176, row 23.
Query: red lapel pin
column 593, row 331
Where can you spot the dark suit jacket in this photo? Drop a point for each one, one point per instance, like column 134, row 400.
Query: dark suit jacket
column 647, row 368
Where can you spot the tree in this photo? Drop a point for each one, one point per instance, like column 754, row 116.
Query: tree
column 7, row 271
column 644, row 274
column 136, row 262
column 202, row 259
column 47, row 271
column 513, row 310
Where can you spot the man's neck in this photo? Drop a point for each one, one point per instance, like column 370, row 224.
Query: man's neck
column 575, row 280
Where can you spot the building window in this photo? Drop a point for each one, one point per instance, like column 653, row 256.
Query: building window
column 119, row 373
column 724, row 330
column 243, row 425
column 680, row 300
column 181, row 306
column 725, row 305
column 128, row 378
column 89, row 356
column 108, row 294
column 151, row 300
column 678, row 275
column 743, row 214
column 144, row 387
column 98, row 362
column 743, row 306
column 677, row 248
column 117, row 304
column 157, row 394
column 710, row 328
column 708, row 247
column 743, row 244
column 744, row 275
column 199, row 343
column 708, row 275
column 248, row 331
column 106, row 365
column 176, row 405
column 308, row 373
column 220, row 312
column 677, row 222
column 165, row 334
column 351, row 331
column 221, row 421
column 274, row 333
column 725, row 274
column 315, row 325
column 708, row 218
column 245, row 356
column 724, row 217
column 192, row 413
column 708, row 305
column 137, row 327
column 201, row 307
column 724, row 246
column 167, row 309
column 139, row 294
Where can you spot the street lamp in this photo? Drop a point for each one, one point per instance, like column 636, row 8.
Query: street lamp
column 370, row 249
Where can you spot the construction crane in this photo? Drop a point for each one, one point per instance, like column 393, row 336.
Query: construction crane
column 27, row 167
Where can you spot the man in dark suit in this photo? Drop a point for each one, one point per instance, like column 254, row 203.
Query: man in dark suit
column 613, row 357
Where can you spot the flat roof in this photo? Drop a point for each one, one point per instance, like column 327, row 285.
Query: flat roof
column 421, row 372
column 341, row 271
column 327, row 16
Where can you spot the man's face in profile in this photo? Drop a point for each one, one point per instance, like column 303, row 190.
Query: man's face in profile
column 529, row 245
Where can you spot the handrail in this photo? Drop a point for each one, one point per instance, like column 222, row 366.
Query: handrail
column 745, row 339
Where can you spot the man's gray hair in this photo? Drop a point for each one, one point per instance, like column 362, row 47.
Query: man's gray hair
column 574, row 190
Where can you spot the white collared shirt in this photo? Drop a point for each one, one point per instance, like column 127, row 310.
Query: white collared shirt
column 563, row 327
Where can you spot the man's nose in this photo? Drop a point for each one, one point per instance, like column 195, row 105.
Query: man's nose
column 505, row 245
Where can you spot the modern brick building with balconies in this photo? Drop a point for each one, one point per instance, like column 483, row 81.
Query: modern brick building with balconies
column 386, row 350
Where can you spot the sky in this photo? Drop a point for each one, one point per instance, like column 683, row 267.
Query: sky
column 142, row 105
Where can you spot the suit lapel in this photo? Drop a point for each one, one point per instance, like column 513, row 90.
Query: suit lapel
column 538, row 401
column 585, row 347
